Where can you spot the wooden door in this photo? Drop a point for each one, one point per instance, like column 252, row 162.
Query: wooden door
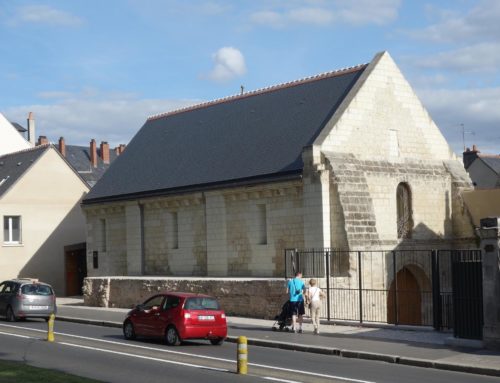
column 407, row 301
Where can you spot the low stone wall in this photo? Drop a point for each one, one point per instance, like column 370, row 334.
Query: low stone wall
column 255, row 298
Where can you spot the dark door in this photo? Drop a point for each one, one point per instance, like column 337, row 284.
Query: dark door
column 467, row 281
column 405, row 298
column 76, row 271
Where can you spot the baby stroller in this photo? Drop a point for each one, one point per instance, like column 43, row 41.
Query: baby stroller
column 283, row 319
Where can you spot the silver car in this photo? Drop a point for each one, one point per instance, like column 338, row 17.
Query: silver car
column 26, row 298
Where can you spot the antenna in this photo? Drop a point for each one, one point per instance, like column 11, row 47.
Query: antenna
column 242, row 89
column 463, row 134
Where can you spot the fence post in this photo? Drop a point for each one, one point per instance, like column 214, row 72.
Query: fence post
column 360, row 286
column 395, row 281
column 327, row 259
column 436, row 291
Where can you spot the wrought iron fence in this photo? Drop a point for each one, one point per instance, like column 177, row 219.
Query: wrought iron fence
column 412, row 287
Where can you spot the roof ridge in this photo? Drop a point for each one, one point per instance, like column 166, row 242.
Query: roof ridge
column 37, row 147
column 258, row 91
column 488, row 155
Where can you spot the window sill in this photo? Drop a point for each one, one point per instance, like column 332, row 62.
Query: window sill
column 12, row 244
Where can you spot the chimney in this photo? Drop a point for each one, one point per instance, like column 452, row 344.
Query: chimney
column 121, row 148
column 105, row 152
column 93, row 153
column 470, row 155
column 117, row 150
column 62, row 146
column 42, row 140
column 31, row 128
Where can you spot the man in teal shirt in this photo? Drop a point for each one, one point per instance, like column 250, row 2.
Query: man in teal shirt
column 296, row 289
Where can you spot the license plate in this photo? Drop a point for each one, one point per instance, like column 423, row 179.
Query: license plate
column 206, row 317
column 39, row 307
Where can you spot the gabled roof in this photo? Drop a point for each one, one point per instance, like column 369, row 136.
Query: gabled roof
column 79, row 159
column 492, row 162
column 14, row 165
column 253, row 137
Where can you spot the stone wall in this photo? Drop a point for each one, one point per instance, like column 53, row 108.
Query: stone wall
column 256, row 298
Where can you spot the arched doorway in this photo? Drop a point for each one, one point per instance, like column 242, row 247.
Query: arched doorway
column 408, row 299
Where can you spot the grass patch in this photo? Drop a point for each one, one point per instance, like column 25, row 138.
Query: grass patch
column 17, row 372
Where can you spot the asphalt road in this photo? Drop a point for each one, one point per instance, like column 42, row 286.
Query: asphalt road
column 101, row 353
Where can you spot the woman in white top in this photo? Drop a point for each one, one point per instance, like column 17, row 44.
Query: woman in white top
column 314, row 295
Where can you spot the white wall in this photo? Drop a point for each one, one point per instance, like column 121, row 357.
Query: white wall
column 10, row 139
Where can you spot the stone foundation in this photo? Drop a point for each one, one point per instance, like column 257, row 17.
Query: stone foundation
column 255, row 298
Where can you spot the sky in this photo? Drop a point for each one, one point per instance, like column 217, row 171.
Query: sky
column 97, row 69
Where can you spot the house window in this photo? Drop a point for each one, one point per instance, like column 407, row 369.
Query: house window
column 173, row 230
column 404, row 211
column 104, row 237
column 262, row 224
column 12, row 229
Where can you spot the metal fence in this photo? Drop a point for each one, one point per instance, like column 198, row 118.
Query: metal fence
column 411, row 287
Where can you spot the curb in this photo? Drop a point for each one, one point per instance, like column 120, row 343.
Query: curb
column 414, row 362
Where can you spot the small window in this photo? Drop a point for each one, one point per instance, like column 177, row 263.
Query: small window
column 171, row 302
column 173, row 230
column 12, row 229
column 104, row 237
column 262, row 222
column 154, row 302
column 404, row 211
column 393, row 143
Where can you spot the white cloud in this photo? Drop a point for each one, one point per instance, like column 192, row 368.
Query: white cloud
column 478, row 109
column 478, row 24
column 111, row 117
column 43, row 14
column 483, row 57
column 229, row 63
column 352, row 12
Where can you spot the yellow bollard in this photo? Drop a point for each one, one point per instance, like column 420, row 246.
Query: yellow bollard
column 242, row 355
column 50, row 333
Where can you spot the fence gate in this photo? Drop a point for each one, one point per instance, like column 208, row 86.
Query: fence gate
column 467, row 283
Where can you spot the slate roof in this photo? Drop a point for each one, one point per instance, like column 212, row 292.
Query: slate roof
column 79, row 158
column 14, row 165
column 492, row 162
column 249, row 138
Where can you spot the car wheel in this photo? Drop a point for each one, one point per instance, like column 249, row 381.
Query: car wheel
column 172, row 336
column 10, row 315
column 217, row 341
column 128, row 330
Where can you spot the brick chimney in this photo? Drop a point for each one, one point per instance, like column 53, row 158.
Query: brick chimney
column 62, row 146
column 93, row 153
column 31, row 128
column 117, row 150
column 121, row 148
column 42, row 140
column 470, row 155
column 105, row 152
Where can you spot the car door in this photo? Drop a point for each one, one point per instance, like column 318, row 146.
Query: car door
column 3, row 298
column 148, row 315
column 168, row 314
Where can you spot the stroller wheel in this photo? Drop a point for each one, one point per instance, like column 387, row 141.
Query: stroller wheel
column 274, row 328
column 287, row 329
column 281, row 327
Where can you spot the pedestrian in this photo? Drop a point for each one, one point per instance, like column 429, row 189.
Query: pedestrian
column 296, row 289
column 313, row 296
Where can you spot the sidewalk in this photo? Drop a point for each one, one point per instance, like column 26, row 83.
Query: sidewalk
column 415, row 347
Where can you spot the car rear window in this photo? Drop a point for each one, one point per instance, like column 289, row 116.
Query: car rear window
column 36, row 290
column 200, row 303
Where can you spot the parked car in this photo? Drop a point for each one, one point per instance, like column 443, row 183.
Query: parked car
column 176, row 317
column 26, row 298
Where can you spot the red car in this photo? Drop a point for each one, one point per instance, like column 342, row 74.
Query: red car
column 177, row 317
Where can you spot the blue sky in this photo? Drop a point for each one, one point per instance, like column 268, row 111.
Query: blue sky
column 98, row 69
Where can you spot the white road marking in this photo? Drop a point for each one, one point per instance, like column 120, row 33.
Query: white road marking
column 17, row 335
column 310, row 373
column 280, row 380
column 145, row 357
